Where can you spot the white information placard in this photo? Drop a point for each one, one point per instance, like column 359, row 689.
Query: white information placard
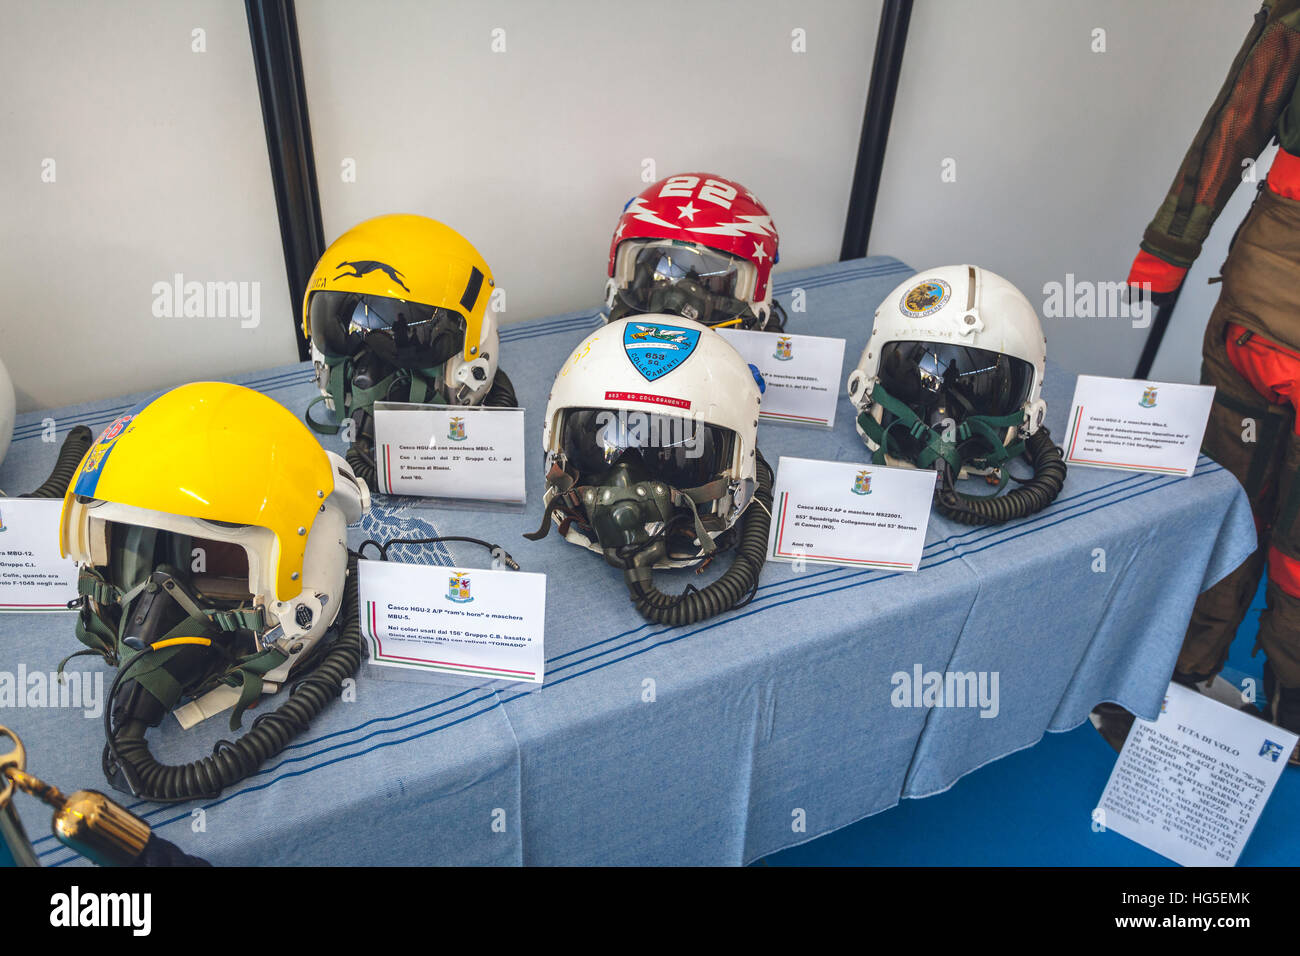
column 801, row 374
column 834, row 512
column 1135, row 425
column 1191, row 784
column 445, row 451
column 32, row 575
column 471, row 622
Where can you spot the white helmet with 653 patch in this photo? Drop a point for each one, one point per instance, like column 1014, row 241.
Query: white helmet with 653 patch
column 652, row 459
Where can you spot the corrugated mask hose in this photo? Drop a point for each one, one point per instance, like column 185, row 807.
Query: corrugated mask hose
column 1033, row 495
column 127, row 752
column 74, row 449
column 735, row 588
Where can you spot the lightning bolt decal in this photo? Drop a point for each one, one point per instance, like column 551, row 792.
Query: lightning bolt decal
column 638, row 211
column 755, row 225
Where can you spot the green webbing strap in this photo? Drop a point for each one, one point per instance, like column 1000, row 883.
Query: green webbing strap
column 366, row 397
column 64, row 663
column 423, row 384
column 152, row 674
column 240, row 619
column 336, row 386
column 249, row 673
column 707, row 544
column 419, row 390
column 935, row 446
column 321, row 428
column 347, row 397
column 97, row 589
column 98, row 637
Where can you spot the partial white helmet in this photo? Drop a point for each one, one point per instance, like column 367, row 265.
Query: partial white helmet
column 7, row 410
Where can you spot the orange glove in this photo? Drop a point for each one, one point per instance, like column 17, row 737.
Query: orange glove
column 1162, row 276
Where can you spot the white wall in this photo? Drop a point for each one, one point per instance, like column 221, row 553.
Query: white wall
column 532, row 152
column 1062, row 154
column 160, row 168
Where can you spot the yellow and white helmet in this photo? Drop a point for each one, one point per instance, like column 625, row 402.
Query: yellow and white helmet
column 219, row 498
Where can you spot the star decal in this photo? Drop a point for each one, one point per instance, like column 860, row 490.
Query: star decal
column 759, row 252
column 687, row 212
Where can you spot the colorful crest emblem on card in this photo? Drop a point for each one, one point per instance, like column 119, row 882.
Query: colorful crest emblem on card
column 2, row 522
column 458, row 589
column 1270, row 750
column 784, row 349
column 1148, row 397
column 456, row 429
column 655, row 350
column 925, row 298
column 862, row 483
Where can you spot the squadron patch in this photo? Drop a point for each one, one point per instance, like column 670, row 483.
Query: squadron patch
column 925, row 298
column 655, row 350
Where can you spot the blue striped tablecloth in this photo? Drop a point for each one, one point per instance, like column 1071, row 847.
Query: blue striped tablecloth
column 715, row 743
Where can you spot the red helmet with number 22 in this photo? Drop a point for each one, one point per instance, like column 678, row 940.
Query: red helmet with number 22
column 699, row 246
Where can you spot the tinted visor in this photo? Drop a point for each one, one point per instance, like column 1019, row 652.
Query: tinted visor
column 687, row 280
column 677, row 451
column 954, row 379
column 941, row 381
column 413, row 335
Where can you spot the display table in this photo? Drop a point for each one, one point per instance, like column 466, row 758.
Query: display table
column 711, row 744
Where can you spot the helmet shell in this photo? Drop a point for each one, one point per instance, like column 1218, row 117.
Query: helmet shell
column 709, row 210
column 408, row 257
column 218, row 453
column 962, row 305
column 708, row 382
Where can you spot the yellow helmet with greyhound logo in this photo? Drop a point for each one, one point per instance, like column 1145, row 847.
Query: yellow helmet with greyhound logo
column 407, row 258
column 397, row 310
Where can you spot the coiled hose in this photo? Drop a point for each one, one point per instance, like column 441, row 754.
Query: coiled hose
column 74, row 449
column 502, row 392
column 1032, row 496
column 362, row 463
column 361, row 455
column 231, row 762
column 733, row 589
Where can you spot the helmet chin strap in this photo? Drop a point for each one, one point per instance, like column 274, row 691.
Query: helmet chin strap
column 347, row 397
column 163, row 616
column 618, row 508
column 616, row 514
column 1033, row 494
column 937, row 449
